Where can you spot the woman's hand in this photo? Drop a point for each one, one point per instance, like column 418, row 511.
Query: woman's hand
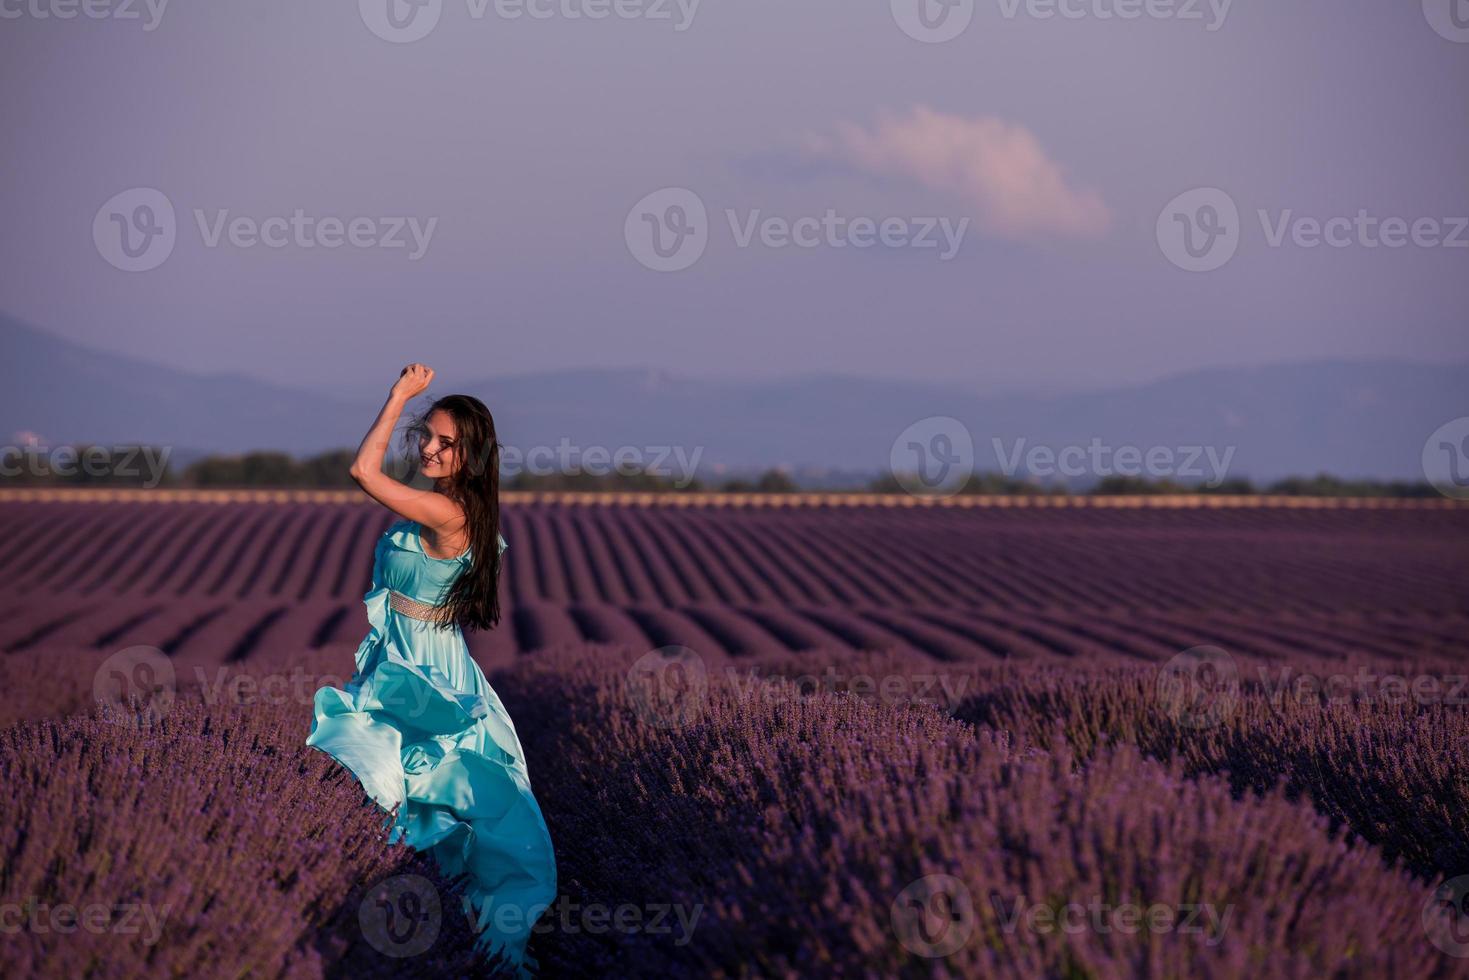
column 427, row 507
column 412, row 381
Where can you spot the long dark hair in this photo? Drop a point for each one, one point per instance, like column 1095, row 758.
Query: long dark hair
column 474, row 598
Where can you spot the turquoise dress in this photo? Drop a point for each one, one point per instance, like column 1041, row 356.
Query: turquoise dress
column 422, row 729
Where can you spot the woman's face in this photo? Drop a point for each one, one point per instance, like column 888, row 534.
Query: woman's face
column 438, row 446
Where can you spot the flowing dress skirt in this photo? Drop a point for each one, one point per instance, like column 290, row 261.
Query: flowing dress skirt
column 423, row 731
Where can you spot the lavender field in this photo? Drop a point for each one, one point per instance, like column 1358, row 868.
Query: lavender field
column 797, row 740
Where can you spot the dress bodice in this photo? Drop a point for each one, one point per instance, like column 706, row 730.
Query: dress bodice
column 401, row 564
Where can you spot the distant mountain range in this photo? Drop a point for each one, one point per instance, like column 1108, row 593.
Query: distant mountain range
column 1352, row 419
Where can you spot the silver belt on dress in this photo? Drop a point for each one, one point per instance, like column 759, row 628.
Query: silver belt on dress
column 414, row 609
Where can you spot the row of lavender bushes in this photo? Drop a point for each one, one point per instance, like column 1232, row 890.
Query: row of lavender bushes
column 745, row 834
column 797, row 824
column 1385, row 763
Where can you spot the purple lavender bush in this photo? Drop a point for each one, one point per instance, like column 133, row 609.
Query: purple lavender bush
column 1389, row 768
column 205, row 841
column 836, row 835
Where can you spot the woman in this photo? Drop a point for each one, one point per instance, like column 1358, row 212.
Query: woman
column 418, row 724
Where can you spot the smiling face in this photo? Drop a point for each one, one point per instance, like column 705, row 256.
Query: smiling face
column 438, row 446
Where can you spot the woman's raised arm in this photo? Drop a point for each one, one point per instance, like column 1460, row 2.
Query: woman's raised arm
column 425, row 506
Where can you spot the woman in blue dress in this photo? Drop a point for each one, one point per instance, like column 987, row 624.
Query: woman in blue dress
column 418, row 724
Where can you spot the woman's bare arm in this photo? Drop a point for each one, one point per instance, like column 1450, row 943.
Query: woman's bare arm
column 431, row 509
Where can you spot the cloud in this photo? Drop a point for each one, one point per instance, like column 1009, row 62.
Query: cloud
column 997, row 166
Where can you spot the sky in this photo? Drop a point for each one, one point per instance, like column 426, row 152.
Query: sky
column 1004, row 194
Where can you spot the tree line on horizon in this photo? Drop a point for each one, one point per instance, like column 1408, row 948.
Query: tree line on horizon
column 119, row 467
